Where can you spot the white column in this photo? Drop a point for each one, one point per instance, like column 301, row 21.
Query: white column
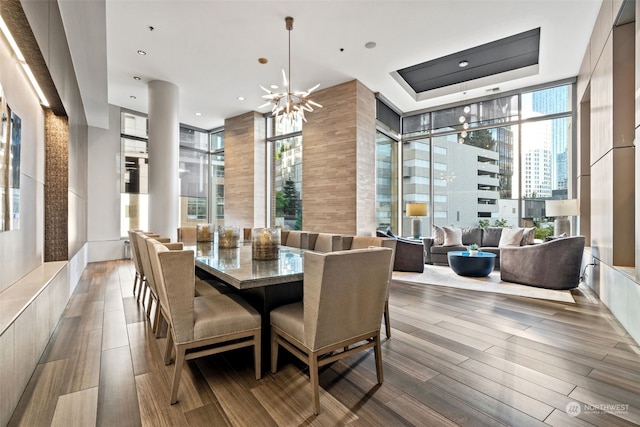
column 164, row 141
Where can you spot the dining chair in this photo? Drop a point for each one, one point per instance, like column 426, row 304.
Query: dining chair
column 360, row 242
column 201, row 326
column 187, row 235
column 328, row 242
column 202, row 287
column 344, row 295
column 140, row 278
column 137, row 279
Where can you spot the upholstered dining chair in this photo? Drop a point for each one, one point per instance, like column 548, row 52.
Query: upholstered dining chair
column 344, row 295
column 137, row 279
column 328, row 242
column 201, row 326
column 360, row 242
column 187, row 235
column 301, row 239
column 143, row 286
column 203, row 287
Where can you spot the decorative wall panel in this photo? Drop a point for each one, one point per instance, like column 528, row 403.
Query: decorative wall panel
column 338, row 161
column 245, row 170
column 56, row 197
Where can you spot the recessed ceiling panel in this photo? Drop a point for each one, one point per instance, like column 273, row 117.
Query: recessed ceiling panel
column 500, row 56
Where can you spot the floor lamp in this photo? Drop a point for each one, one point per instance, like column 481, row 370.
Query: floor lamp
column 561, row 210
column 415, row 210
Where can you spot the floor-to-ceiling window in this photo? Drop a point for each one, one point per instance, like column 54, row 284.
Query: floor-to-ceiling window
column 134, row 169
column 284, row 138
column 490, row 162
column 216, row 162
column 388, row 124
column 193, row 171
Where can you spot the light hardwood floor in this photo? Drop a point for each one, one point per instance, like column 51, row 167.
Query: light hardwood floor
column 456, row 357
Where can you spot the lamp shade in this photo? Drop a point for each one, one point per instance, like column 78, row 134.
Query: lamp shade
column 416, row 209
column 570, row 207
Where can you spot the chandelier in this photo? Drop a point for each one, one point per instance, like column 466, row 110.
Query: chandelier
column 291, row 105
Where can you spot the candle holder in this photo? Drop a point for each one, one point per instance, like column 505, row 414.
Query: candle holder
column 265, row 243
column 205, row 233
column 228, row 237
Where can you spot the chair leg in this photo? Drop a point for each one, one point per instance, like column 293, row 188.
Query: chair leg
column 161, row 321
column 274, row 352
column 378, row 356
column 135, row 283
column 257, row 353
column 169, row 347
column 177, row 372
column 156, row 319
column 142, row 291
column 315, row 382
column 387, row 323
column 151, row 299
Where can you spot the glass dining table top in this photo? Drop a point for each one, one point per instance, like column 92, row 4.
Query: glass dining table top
column 237, row 268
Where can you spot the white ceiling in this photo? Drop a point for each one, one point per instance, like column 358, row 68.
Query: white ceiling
column 210, row 48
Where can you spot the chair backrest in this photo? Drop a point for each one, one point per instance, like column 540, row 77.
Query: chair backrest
column 187, row 235
column 154, row 247
column 135, row 252
column 344, row 294
column 178, row 272
column 361, row 242
column 174, row 272
column 327, row 242
column 145, row 260
column 298, row 239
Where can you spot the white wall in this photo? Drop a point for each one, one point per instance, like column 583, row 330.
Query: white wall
column 103, row 231
column 21, row 250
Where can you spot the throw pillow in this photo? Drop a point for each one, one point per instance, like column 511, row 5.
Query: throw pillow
column 491, row 236
column 528, row 235
column 471, row 235
column 510, row 237
column 438, row 235
column 452, row 236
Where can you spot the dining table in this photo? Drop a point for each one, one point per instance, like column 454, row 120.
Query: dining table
column 265, row 284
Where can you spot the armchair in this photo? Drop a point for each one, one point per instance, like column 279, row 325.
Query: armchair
column 344, row 295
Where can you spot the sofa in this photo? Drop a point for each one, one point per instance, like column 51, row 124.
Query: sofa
column 489, row 239
column 553, row 265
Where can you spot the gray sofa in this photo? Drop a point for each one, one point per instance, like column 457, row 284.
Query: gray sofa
column 487, row 238
column 553, row 265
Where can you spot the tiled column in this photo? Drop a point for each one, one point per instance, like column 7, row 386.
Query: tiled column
column 164, row 152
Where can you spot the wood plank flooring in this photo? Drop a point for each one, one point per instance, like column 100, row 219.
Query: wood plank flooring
column 456, row 357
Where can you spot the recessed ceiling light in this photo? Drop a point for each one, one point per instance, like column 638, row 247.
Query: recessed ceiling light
column 463, row 63
column 141, row 52
column 274, row 86
column 241, row 98
column 198, row 114
column 132, row 97
column 370, row 45
column 136, row 78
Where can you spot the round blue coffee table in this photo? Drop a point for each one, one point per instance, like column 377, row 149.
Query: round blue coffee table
column 465, row 264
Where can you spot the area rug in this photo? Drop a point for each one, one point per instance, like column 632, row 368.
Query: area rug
column 441, row 275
